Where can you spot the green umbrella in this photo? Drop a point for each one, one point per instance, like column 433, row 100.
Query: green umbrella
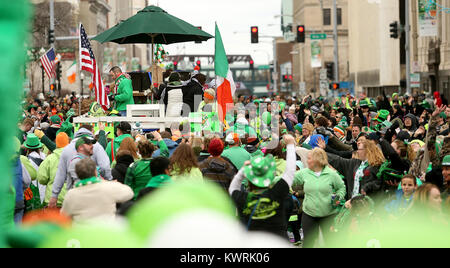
column 152, row 25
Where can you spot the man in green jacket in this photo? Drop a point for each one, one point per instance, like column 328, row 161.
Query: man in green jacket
column 124, row 91
column 123, row 131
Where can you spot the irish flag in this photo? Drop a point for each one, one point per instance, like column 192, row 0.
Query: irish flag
column 71, row 73
column 224, row 77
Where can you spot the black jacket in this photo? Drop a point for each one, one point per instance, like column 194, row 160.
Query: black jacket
column 370, row 183
column 191, row 90
column 51, row 133
column 120, row 170
column 218, row 170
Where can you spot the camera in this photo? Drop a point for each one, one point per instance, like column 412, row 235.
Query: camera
column 149, row 136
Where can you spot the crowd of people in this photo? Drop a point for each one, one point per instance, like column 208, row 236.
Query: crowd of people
column 299, row 168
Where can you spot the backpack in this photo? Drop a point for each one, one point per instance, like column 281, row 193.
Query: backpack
column 32, row 198
column 37, row 161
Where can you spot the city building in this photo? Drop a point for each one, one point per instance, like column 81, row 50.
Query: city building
column 310, row 57
column 378, row 62
column 96, row 17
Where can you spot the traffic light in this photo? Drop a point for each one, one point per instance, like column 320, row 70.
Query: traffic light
column 301, row 34
column 330, row 70
column 199, row 64
column 394, row 30
column 175, row 65
column 252, row 66
column 58, row 71
column 51, row 37
column 254, row 31
column 285, row 78
column 334, row 86
column 52, row 87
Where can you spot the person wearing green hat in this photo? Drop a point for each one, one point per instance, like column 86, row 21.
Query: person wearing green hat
column 35, row 157
column 21, row 181
column 84, row 147
column 446, row 175
column 54, row 127
column 322, row 186
column 443, row 126
column 380, row 118
column 262, row 208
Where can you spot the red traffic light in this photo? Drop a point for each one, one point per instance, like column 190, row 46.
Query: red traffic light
column 254, row 29
column 198, row 62
column 175, row 63
column 301, row 29
column 290, row 77
column 335, row 86
column 252, row 62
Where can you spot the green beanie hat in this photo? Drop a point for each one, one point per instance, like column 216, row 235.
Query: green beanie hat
column 55, row 119
column 446, row 161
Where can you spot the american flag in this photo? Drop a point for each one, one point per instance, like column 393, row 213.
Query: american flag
column 89, row 64
column 48, row 62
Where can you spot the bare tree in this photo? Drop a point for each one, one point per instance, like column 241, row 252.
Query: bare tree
column 64, row 23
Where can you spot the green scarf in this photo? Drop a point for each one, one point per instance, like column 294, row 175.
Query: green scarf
column 88, row 181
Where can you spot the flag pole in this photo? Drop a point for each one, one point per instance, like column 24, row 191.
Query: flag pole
column 79, row 69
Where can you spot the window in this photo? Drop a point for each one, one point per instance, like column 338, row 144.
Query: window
column 326, row 16
column 339, row 16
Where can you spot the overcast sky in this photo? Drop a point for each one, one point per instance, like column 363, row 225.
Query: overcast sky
column 234, row 18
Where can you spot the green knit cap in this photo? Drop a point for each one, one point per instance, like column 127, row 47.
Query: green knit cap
column 446, row 161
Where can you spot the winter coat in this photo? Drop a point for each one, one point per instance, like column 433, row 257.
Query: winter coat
column 173, row 99
column 124, row 94
column 115, row 144
column 120, row 170
column 171, row 147
column 414, row 126
column 46, row 175
column 402, row 165
column 51, row 133
column 69, row 152
column 218, row 170
column 96, row 201
column 192, row 90
column 370, row 183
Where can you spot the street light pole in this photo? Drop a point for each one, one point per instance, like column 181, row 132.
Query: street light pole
column 407, row 48
column 336, row 44
column 81, row 95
